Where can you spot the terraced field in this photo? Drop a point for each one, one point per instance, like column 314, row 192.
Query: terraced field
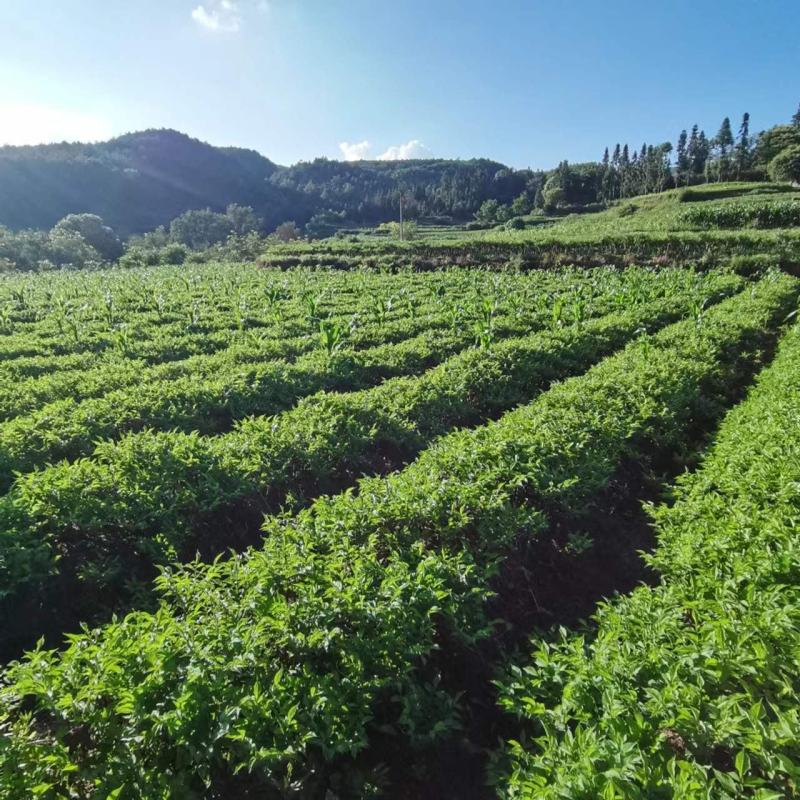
column 312, row 533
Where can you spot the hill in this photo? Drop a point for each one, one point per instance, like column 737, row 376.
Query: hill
column 135, row 182
column 139, row 181
column 369, row 191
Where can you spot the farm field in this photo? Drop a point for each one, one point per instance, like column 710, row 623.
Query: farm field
column 362, row 439
column 283, row 533
column 707, row 224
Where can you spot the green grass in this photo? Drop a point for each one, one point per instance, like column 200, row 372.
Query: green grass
column 655, row 213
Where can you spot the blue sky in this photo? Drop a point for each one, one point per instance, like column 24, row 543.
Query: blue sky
column 527, row 82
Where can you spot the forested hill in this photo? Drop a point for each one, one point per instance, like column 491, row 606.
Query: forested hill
column 369, row 191
column 141, row 180
column 135, row 182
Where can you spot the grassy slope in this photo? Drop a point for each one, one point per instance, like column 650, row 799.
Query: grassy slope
column 655, row 217
column 653, row 213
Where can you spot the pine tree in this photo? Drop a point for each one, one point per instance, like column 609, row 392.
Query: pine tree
column 625, row 172
column 603, row 185
column 698, row 151
column 722, row 145
column 617, row 156
column 692, row 153
column 743, row 146
column 682, row 160
column 724, row 138
column 796, row 118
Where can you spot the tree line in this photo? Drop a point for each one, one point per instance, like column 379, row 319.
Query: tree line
column 695, row 158
column 135, row 177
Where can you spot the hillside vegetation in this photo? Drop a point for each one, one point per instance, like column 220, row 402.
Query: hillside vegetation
column 140, row 181
column 165, row 197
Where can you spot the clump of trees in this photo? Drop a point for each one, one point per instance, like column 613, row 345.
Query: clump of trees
column 202, row 228
column 699, row 159
column 235, row 233
column 77, row 241
column 325, row 224
column 94, row 233
column 779, row 149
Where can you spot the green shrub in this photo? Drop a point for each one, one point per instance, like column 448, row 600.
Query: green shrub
column 174, row 254
column 753, row 264
column 786, row 165
column 689, row 689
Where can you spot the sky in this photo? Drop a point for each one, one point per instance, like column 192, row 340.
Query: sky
column 526, row 82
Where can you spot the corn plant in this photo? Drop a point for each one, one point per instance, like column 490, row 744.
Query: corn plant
column 332, row 336
column 381, row 307
column 557, row 313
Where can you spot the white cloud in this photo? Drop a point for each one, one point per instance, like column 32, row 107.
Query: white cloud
column 359, row 151
column 218, row 15
column 356, row 151
column 29, row 123
column 399, row 152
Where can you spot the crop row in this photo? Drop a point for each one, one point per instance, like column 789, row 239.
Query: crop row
column 317, row 294
column 382, row 318
column 50, row 377
column 280, row 662
column 195, row 325
column 688, row 689
column 156, row 496
column 170, row 311
column 210, row 403
column 225, row 389
column 765, row 214
column 284, row 342
column 293, row 327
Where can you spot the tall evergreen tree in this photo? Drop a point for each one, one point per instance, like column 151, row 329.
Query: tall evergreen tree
column 665, row 166
column 682, row 160
column 703, row 151
column 724, row 138
column 722, row 146
column 603, row 184
column 625, row 172
column 743, row 147
column 796, row 118
column 692, row 153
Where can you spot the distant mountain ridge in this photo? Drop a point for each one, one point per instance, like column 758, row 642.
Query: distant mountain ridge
column 141, row 180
